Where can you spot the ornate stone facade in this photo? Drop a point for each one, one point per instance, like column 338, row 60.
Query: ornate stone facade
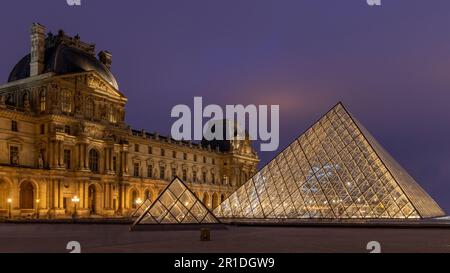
column 62, row 134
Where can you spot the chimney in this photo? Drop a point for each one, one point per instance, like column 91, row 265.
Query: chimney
column 37, row 49
column 105, row 58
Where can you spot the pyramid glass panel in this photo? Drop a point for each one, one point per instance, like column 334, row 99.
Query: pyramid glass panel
column 336, row 169
column 177, row 205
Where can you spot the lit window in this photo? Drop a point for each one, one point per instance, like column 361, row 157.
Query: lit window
column 162, row 171
column 67, row 101
column 112, row 115
column 67, row 158
column 93, row 160
column 43, row 100
column 114, row 164
column 225, row 180
column 136, row 169
column 174, row 173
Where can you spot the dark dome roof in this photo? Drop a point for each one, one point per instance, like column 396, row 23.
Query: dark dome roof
column 62, row 59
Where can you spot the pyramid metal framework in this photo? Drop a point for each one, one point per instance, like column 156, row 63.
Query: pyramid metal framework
column 177, row 204
column 336, row 169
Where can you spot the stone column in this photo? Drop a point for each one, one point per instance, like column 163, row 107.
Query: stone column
column 86, row 194
column 121, row 197
column 106, row 160
column 56, row 190
column 60, row 194
column 79, row 157
column 124, row 163
column 110, row 196
column 50, row 154
column 86, row 156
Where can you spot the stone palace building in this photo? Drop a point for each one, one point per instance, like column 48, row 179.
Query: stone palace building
column 63, row 135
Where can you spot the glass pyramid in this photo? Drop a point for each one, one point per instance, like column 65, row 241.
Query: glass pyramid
column 335, row 169
column 177, row 204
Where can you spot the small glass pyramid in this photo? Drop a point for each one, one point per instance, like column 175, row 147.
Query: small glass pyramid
column 177, row 204
column 336, row 169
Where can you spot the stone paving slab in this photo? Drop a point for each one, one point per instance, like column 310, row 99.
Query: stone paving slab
column 243, row 239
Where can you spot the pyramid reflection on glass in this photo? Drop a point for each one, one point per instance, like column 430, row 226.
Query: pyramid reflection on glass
column 177, row 204
column 336, row 169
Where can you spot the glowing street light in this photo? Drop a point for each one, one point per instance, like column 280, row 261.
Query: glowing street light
column 9, row 207
column 75, row 200
column 138, row 201
column 37, row 208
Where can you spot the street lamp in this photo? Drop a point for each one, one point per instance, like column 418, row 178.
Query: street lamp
column 9, row 207
column 138, row 202
column 37, row 208
column 75, row 200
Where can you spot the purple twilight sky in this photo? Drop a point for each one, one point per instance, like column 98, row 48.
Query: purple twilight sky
column 390, row 65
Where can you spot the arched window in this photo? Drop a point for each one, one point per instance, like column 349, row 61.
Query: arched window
column 215, row 201
column 43, row 100
column 26, row 195
column 93, row 160
column 4, row 194
column 206, row 200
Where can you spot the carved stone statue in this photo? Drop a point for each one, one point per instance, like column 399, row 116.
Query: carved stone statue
column 41, row 161
column 26, row 102
column 15, row 159
column 2, row 102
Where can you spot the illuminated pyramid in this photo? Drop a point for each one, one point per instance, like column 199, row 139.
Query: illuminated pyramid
column 177, row 204
column 336, row 169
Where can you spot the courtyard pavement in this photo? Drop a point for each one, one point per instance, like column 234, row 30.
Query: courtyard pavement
column 54, row 238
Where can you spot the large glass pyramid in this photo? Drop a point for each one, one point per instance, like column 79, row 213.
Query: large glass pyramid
column 335, row 169
column 177, row 204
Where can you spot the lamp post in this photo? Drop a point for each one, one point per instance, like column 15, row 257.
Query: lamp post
column 75, row 200
column 37, row 208
column 9, row 207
